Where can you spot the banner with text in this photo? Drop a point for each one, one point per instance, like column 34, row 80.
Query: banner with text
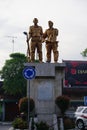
column 75, row 73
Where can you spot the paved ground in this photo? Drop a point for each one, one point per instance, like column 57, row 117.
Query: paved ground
column 5, row 127
column 8, row 126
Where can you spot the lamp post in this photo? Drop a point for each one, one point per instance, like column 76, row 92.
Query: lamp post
column 28, row 49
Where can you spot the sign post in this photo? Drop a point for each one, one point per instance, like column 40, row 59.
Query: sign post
column 29, row 73
column 85, row 100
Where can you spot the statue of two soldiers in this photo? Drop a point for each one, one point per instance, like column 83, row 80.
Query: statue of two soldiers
column 37, row 37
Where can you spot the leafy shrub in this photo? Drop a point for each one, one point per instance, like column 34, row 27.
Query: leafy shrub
column 63, row 103
column 23, row 105
column 19, row 123
column 42, row 126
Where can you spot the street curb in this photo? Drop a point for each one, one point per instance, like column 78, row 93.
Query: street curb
column 5, row 123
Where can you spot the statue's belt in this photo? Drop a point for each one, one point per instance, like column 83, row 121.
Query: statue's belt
column 48, row 42
column 34, row 39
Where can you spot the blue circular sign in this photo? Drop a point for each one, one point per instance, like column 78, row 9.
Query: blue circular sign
column 29, row 73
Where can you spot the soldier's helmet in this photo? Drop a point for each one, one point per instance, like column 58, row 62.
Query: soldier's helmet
column 35, row 20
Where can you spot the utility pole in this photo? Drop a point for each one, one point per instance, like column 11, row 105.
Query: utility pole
column 12, row 37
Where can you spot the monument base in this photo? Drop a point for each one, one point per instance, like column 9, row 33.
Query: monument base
column 46, row 86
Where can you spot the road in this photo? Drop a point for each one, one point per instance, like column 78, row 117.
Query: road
column 9, row 127
column 5, row 127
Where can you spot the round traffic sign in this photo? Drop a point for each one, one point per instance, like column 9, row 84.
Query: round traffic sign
column 29, row 73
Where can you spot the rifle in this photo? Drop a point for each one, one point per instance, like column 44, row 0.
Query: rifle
column 28, row 49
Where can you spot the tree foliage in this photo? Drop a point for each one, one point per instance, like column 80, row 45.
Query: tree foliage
column 63, row 103
column 84, row 53
column 14, row 83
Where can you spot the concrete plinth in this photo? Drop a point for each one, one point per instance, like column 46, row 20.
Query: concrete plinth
column 46, row 86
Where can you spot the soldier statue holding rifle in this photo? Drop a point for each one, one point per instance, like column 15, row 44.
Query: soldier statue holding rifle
column 35, row 35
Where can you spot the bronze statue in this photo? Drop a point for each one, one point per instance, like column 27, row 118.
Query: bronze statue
column 50, row 37
column 35, row 35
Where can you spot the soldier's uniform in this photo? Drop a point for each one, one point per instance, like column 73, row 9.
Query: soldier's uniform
column 51, row 43
column 36, row 33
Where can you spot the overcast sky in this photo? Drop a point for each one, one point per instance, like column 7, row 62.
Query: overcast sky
column 69, row 16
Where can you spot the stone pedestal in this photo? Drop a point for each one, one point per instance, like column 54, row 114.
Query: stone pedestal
column 46, row 86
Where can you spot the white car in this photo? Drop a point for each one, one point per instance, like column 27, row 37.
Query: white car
column 81, row 117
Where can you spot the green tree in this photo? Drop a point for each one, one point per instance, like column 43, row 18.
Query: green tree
column 84, row 53
column 14, row 83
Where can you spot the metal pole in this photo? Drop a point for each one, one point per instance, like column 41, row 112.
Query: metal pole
column 28, row 95
column 13, row 45
column 13, row 37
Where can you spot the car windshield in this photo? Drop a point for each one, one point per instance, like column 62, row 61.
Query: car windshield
column 85, row 111
column 79, row 109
